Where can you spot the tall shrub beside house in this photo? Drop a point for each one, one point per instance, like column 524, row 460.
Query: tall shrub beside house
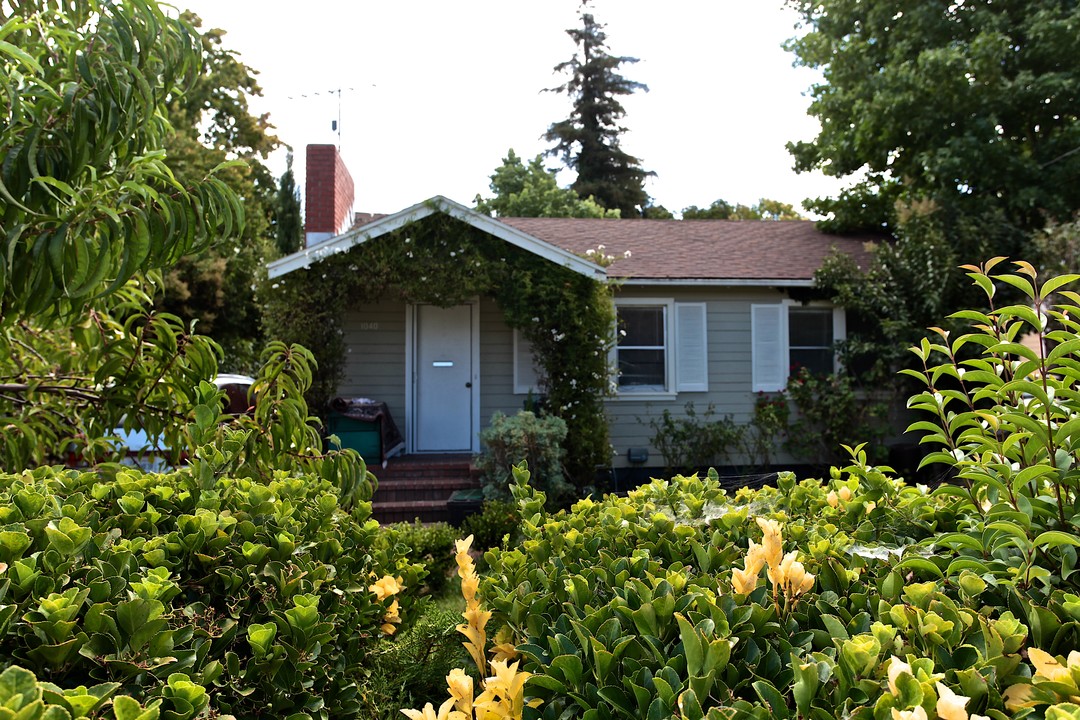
column 536, row 440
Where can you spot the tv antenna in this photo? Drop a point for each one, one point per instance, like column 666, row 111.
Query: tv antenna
column 335, row 125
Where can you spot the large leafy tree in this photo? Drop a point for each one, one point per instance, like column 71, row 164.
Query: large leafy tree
column 88, row 199
column 212, row 121
column 531, row 190
column 971, row 104
column 589, row 140
column 958, row 125
column 92, row 212
column 764, row 209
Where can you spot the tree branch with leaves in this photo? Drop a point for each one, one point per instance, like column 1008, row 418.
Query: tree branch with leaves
column 89, row 199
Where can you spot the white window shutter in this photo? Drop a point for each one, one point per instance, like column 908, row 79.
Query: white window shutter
column 839, row 325
column 691, row 348
column 768, row 339
column 526, row 376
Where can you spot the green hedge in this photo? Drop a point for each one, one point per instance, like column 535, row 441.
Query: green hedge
column 880, row 601
column 628, row 607
column 237, row 597
column 430, row 546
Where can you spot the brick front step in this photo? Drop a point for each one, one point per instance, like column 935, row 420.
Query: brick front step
column 407, row 472
column 427, row 511
column 406, row 464
column 419, row 487
column 423, row 476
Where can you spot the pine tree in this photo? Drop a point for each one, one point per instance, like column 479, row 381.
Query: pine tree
column 288, row 223
column 588, row 140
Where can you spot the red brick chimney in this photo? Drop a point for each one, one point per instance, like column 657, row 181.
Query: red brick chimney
column 329, row 194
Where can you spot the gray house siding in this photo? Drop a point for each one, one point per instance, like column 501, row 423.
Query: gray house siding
column 375, row 337
column 496, row 364
column 375, row 355
column 375, row 365
column 729, row 355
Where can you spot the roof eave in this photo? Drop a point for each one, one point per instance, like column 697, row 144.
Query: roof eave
column 718, row 282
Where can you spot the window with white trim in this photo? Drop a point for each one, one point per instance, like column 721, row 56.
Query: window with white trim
column 785, row 337
column 661, row 346
column 810, row 340
column 641, row 350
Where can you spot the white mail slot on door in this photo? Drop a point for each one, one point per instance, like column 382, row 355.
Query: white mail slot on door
column 442, row 363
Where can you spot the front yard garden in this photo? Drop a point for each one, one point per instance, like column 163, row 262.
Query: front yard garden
column 195, row 594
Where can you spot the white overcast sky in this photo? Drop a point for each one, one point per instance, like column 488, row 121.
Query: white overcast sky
column 434, row 93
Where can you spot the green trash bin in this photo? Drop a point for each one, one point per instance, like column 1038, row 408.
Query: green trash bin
column 463, row 503
column 359, row 435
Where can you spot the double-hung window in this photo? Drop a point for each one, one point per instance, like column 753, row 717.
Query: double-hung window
column 661, row 347
column 786, row 337
column 642, row 348
column 810, row 340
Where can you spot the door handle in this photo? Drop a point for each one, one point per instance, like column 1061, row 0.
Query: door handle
column 468, row 384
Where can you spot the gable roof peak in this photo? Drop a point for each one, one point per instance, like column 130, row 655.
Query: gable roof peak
column 386, row 224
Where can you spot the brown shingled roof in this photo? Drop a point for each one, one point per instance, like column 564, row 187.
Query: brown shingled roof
column 739, row 250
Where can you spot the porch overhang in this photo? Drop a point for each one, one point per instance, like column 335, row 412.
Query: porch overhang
column 438, row 204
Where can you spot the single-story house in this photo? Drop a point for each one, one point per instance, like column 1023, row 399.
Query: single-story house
column 707, row 311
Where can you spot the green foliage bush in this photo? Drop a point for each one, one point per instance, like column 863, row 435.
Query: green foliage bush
column 691, row 443
column 496, row 520
column 412, row 670
column 608, row 600
column 1004, row 415
column 22, row 696
column 950, row 603
column 255, row 594
column 536, row 439
column 831, row 411
column 430, row 546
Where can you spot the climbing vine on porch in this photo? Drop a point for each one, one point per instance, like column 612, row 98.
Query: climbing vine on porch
column 567, row 317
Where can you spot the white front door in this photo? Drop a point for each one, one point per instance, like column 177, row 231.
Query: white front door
column 444, row 396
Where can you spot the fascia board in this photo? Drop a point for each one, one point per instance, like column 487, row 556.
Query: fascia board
column 348, row 240
column 714, row 282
